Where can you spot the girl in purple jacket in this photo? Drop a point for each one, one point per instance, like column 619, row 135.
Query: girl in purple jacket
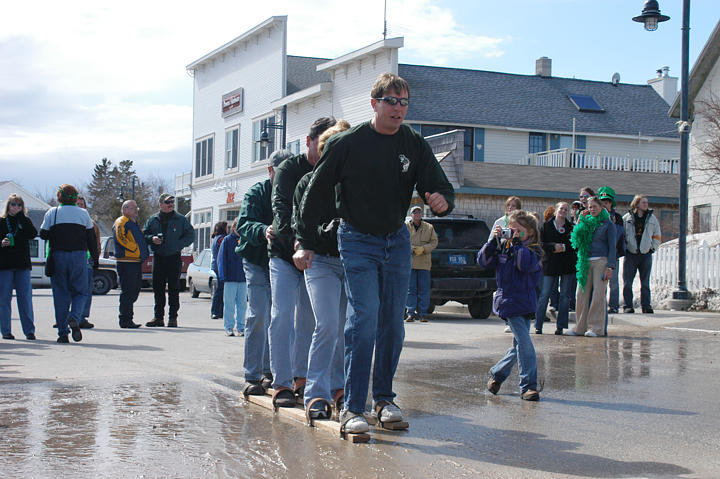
column 518, row 270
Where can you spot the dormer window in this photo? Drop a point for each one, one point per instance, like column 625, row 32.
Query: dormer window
column 586, row 103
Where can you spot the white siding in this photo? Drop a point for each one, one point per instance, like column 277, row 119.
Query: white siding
column 505, row 146
column 301, row 115
column 664, row 149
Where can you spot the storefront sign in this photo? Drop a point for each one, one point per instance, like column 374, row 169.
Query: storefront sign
column 232, row 102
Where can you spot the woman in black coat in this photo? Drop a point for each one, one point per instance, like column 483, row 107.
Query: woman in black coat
column 16, row 231
column 558, row 267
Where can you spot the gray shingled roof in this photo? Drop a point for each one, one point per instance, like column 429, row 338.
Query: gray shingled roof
column 532, row 102
column 302, row 73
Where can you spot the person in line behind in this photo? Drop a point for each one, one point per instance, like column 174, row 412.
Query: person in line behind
column 71, row 233
column 594, row 240
column 642, row 236
column 130, row 251
column 84, row 323
column 167, row 232
column 220, row 231
column 607, row 198
column 423, row 241
column 230, row 272
column 517, row 261
column 16, row 231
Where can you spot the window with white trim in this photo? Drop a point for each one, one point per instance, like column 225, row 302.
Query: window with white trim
column 261, row 152
column 202, row 222
column 232, row 137
column 204, row 156
column 230, row 215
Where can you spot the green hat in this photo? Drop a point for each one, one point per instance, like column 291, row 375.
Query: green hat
column 607, row 193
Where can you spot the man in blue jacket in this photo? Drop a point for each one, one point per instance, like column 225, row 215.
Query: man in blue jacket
column 167, row 232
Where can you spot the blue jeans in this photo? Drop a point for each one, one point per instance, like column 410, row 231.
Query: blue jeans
column 91, row 286
column 325, row 286
column 634, row 263
column 291, row 323
column 217, row 308
column 418, row 298
column 130, row 277
column 523, row 352
column 377, row 275
column 614, row 287
column 257, row 354
column 69, row 287
column 550, row 285
column 234, row 304
column 18, row 279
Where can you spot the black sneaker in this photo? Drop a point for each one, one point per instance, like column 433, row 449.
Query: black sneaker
column 172, row 323
column 267, row 380
column 538, row 331
column 284, row 398
column 8, row 336
column 30, row 337
column 648, row 310
column 155, row 323
column 628, row 310
column 130, row 325
column 63, row 339
column 75, row 328
column 612, row 311
column 253, row 388
column 85, row 324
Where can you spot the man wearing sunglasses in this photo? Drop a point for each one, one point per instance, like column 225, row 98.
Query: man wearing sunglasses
column 371, row 170
column 167, row 232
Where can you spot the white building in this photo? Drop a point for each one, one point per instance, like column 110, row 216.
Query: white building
column 596, row 132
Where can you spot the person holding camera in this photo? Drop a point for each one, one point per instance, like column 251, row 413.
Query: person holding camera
column 16, row 231
column 167, row 232
column 515, row 254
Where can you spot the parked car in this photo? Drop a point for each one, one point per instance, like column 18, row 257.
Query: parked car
column 108, row 248
column 455, row 274
column 200, row 278
column 104, row 278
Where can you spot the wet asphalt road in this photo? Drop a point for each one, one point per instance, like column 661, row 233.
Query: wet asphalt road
column 166, row 403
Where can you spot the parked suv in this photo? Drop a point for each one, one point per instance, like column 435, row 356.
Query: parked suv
column 455, row 274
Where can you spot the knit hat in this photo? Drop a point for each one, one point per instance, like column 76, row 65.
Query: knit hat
column 607, row 193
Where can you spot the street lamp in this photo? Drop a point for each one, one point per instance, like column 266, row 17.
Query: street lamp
column 651, row 17
column 123, row 185
column 265, row 137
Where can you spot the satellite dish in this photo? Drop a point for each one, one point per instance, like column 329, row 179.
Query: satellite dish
column 615, row 79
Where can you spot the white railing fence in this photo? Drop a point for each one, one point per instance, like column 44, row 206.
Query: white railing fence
column 565, row 158
column 702, row 267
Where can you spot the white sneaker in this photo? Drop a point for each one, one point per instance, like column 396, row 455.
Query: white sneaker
column 229, row 332
column 356, row 424
column 507, row 329
column 570, row 332
column 389, row 412
column 590, row 334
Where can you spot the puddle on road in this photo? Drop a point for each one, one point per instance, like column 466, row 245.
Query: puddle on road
column 201, row 429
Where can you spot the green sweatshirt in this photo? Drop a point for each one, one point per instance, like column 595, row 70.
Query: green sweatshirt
column 255, row 216
column 375, row 175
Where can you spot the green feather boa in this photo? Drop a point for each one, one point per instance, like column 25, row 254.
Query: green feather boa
column 581, row 238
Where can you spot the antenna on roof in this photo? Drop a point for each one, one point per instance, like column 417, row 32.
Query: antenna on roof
column 615, row 79
column 385, row 22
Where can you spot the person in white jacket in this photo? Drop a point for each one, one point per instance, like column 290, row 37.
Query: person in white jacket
column 642, row 239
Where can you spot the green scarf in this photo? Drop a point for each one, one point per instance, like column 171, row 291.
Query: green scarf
column 581, row 238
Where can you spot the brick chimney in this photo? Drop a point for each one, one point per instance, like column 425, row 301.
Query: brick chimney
column 665, row 85
column 543, row 67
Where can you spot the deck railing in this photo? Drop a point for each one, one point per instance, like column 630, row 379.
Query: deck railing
column 565, row 158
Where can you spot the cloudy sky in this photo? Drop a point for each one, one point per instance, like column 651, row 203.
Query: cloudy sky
column 80, row 81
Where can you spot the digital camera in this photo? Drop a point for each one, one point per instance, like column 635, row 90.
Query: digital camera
column 506, row 233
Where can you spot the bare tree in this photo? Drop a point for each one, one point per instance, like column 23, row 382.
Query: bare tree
column 708, row 142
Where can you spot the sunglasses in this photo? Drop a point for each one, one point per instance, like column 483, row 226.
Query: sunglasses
column 169, row 202
column 584, row 197
column 393, row 100
column 16, row 204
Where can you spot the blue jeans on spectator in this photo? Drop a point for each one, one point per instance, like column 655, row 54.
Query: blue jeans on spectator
column 216, row 307
column 91, row 286
column 614, row 287
column 550, row 284
column 291, row 323
column 257, row 354
column 18, row 279
column 418, row 298
column 69, row 287
column 130, row 278
column 325, row 286
column 377, row 274
column 234, row 305
column 634, row 263
column 522, row 352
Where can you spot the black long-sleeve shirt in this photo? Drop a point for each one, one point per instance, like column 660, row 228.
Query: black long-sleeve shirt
column 375, row 175
column 23, row 231
column 287, row 176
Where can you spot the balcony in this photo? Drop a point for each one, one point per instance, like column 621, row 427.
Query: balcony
column 565, row 158
column 182, row 184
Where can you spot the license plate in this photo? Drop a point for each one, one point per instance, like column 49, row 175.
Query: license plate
column 457, row 259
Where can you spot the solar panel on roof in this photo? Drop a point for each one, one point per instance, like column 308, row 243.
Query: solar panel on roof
column 585, row 103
